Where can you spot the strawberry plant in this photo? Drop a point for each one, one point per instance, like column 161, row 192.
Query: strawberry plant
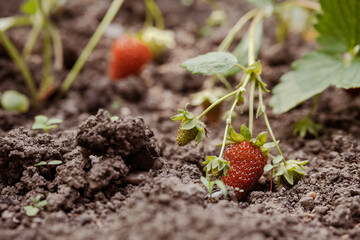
column 335, row 63
column 37, row 13
column 131, row 52
column 242, row 158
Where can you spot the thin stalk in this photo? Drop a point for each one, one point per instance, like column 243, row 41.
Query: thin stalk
column 251, row 105
column 156, row 13
column 313, row 107
column 33, row 37
column 225, row 82
column 228, row 120
column 251, row 60
column 21, row 64
column 57, row 44
column 112, row 11
column 225, row 44
column 261, row 103
column 47, row 80
column 252, row 28
column 216, row 103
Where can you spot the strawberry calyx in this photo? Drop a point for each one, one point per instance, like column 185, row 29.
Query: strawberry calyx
column 189, row 125
column 158, row 40
column 217, row 166
column 245, row 135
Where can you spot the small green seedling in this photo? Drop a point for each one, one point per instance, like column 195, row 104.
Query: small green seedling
column 32, row 210
column 42, row 122
column 48, row 164
column 14, row 101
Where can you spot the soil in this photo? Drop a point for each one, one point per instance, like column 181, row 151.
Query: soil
column 127, row 179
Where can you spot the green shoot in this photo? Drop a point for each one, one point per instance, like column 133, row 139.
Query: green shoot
column 32, row 210
column 42, row 122
column 48, row 164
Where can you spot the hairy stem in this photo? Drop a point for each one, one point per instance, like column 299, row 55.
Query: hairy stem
column 225, row 82
column 225, row 44
column 251, row 105
column 261, row 103
column 58, row 48
column 112, row 11
column 313, row 107
column 216, row 103
column 228, row 120
column 21, row 64
column 155, row 11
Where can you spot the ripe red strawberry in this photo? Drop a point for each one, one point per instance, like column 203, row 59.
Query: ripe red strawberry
column 128, row 55
column 247, row 165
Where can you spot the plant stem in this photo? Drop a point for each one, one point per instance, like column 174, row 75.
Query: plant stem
column 228, row 120
column 112, row 11
column 155, row 11
column 21, row 64
column 225, row 82
column 216, row 103
column 225, row 44
column 58, row 48
column 34, row 35
column 251, row 105
column 313, row 107
column 251, row 60
column 261, row 103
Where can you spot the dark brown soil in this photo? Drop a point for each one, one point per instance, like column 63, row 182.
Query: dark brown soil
column 127, row 179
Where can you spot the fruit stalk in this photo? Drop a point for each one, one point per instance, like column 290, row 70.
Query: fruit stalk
column 109, row 16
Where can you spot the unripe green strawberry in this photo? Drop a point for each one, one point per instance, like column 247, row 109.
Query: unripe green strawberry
column 183, row 136
column 215, row 172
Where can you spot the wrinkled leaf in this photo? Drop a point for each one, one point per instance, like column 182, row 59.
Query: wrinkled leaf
column 339, row 25
column 210, row 63
column 311, row 75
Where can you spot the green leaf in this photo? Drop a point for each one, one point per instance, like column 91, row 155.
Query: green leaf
column 58, row 121
column 42, row 203
column 178, row 117
column 311, row 75
column 55, row 162
column 29, row 7
column 222, row 187
column 14, row 101
column 242, row 49
column 210, row 63
column 41, row 163
column 31, row 211
column 339, row 25
column 245, row 132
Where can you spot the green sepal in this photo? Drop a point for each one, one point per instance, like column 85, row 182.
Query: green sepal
column 261, row 84
column 261, row 139
column 261, row 109
column 216, row 163
column 199, row 137
column 222, row 187
column 234, row 136
column 268, row 167
column 189, row 124
column 245, row 132
column 277, row 159
column 291, row 172
column 255, row 68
